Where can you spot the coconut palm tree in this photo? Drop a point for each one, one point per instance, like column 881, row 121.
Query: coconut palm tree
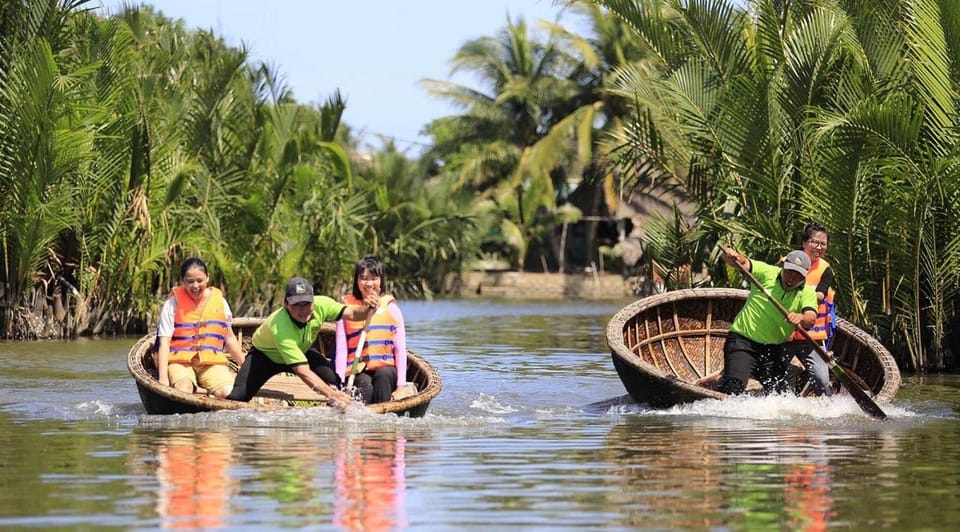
column 596, row 112
column 494, row 145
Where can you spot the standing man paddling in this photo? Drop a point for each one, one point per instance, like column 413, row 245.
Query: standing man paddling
column 282, row 342
column 754, row 345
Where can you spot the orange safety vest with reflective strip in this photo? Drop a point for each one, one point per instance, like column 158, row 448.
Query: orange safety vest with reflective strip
column 378, row 347
column 822, row 328
column 195, row 335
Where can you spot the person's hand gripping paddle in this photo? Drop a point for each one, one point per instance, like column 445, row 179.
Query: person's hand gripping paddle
column 846, row 380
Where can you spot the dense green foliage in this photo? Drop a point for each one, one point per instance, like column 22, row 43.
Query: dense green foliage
column 842, row 111
column 130, row 143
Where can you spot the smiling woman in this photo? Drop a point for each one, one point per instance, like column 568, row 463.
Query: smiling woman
column 373, row 350
column 820, row 277
column 194, row 334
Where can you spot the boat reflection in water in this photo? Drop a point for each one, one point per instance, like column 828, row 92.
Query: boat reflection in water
column 705, row 477
column 193, row 470
column 369, row 476
column 808, row 488
column 800, row 463
column 657, row 468
column 352, row 482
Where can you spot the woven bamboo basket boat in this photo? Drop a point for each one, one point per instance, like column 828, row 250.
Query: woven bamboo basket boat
column 664, row 344
column 282, row 391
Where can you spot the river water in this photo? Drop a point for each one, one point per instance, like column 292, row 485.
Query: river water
column 532, row 431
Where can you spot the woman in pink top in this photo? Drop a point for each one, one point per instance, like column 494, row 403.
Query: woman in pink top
column 384, row 351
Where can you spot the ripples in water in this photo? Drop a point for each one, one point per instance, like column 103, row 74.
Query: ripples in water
column 532, row 431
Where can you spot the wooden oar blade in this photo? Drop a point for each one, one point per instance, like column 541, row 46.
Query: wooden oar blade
column 856, row 378
column 859, row 395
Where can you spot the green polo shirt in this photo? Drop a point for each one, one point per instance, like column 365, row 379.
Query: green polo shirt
column 284, row 341
column 759, row 320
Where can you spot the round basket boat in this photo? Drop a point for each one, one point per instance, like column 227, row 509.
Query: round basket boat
column 282, row 391
column 663, row 345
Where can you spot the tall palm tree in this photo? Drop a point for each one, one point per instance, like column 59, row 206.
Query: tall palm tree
column 494, row 145
column 596, row 112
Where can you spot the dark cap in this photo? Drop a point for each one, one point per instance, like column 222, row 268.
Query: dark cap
column 797, row 261
column 299, row 290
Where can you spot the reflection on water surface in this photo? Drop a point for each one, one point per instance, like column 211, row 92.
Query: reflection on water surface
column 531, row 431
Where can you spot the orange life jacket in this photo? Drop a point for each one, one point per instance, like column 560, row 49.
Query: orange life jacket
column 822, row 328
column 195, row 335
column 378, row 347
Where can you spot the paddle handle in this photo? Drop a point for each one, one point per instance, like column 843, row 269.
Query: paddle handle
column 849, row 383
column 786, row 314
column 359, row 351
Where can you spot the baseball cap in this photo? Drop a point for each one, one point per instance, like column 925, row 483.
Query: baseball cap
column 797, row 261
column 299, row 290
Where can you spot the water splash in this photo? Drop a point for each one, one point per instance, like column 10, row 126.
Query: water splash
column 97, row 408
column 490, row 404
column 835, row 409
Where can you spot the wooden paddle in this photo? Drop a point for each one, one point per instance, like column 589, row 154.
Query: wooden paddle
column 849, row 383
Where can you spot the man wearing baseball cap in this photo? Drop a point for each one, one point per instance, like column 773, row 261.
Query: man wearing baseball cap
column 282, row 342
column 754, row 345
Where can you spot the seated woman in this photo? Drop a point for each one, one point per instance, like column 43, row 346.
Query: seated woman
column 384, row 353
column 194, row 335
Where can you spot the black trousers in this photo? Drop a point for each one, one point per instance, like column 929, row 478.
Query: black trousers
column 376, row 386
column 743, row 358
column 257, row 369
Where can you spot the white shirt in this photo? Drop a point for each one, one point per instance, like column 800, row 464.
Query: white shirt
column 165, row 323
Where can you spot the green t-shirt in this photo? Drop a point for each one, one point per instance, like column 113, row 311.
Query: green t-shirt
column 759, row 320
column 284, row 341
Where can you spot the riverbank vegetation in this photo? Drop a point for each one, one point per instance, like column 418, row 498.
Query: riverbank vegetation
column 129, row 143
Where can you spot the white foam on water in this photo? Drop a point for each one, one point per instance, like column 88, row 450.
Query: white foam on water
column 322, row 419
column 96, row 408
column 779, row 407
column 490, row 404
